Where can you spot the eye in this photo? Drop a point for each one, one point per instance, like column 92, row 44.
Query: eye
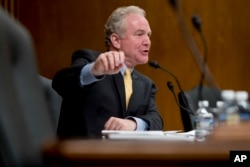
column 139, row 33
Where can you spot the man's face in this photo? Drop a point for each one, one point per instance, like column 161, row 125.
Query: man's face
column 135, row 41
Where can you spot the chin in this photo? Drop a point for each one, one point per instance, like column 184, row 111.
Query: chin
column 143, row 61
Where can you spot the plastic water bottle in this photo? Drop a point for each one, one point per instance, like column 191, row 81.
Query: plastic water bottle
column 230, row 108
column 241, row 98
column 204, row 121
column 218, row 113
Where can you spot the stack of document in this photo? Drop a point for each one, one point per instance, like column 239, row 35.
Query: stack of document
column 148, row 135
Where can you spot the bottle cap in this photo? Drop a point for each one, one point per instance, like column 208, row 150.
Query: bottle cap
column 228, row 95
column 203, row 103
column 241, row 95
column 219, row 104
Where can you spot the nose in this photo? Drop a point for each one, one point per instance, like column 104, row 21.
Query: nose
column 147, row 41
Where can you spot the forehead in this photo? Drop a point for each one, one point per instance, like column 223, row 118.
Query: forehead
column 137, row 22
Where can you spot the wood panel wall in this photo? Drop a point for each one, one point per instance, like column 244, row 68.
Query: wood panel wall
column 59, row 27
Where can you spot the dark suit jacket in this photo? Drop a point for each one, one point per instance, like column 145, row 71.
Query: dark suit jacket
column 85, row 110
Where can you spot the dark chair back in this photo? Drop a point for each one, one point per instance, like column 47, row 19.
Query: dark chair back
column 53, row 99
column 189, row 100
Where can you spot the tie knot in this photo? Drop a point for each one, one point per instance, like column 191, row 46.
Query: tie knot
column 127, row 72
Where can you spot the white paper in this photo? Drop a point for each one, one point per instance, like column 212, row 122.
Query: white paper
column 149, row 135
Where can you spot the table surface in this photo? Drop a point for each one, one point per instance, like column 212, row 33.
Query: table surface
column 215, row 149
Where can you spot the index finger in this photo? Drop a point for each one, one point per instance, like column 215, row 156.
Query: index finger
column 121, row 57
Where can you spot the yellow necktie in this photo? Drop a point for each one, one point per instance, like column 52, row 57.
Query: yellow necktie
column 128, row 85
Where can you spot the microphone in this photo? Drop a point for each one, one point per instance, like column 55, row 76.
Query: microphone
column 196, row 22
column 156, row 65
column 171, row 88
column 174, row 3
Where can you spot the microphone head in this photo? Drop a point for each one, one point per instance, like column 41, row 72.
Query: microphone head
column 170, row 86
column 174, row 3
column 196, row 22
column 154, row 64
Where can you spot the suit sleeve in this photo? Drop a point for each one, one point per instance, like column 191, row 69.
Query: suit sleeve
column 152, row 116
column 67, row 80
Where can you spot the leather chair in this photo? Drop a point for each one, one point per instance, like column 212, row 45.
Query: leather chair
column 189, row 100
column 53, row 99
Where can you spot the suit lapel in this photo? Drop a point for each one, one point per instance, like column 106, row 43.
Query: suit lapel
column 120, row 89
column 137, row 88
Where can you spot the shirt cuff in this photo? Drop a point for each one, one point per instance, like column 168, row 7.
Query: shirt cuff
column 141, row 124
column 86, row 77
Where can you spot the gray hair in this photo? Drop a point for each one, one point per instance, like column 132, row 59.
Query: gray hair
column 115, row 22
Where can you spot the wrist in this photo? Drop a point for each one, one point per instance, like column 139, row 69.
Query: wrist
column 133, row 123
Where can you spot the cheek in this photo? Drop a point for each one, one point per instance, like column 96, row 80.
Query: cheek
column 132, row 42
column 141, row 59
column 130, row 46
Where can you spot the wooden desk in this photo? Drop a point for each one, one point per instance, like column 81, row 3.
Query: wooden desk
column 214, row 151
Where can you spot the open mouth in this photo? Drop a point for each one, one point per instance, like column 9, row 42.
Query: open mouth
column 145, row 52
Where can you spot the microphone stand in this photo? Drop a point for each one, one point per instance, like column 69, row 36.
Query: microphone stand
column 181, row 94
column 197, row 24
column 171, row 88
column 191, row 44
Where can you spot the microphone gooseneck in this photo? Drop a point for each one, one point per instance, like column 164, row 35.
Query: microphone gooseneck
column 176, row 6
column 171, row 88
column 156, row 65
column 197, row 24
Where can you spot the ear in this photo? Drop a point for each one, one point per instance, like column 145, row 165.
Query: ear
column 115, row 40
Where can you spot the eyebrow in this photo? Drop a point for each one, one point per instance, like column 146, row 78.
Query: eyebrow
column 140, row 30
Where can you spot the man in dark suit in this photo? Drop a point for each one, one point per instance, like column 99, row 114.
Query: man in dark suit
column 93, row 89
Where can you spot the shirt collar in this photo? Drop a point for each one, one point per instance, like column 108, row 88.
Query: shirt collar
column 123, row 69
